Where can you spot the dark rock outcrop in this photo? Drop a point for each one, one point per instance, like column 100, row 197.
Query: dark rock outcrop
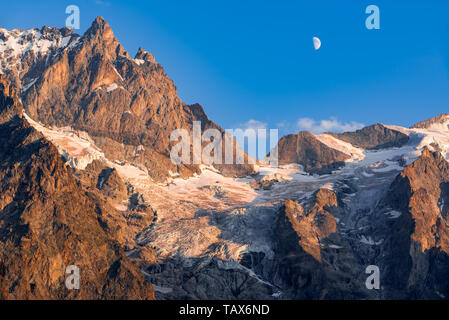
column 373, row 137
column 439, row 119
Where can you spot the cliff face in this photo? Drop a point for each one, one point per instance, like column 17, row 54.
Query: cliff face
column 305, row 267
column 317, row 157
column 417, row 249
column 440, row 119
column 47, row 223
column 398, row 221
column 92, row 84
column 308, row 151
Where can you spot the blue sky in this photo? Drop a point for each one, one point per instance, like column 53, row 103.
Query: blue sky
column 254, row 60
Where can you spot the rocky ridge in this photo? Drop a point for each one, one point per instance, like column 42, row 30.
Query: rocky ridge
column 417, row 252
column 440, row 119
column 47, row 223
column 374, row 137
column 129, row 106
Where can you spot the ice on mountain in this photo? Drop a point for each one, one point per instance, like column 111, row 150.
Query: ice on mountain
column 369, row 241
column 112, row 87
column 29, row 85
column 393, row 214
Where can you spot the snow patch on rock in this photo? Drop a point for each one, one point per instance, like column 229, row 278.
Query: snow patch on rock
column 75, row 146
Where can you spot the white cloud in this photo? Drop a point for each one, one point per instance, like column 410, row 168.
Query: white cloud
column 252, row 124
column 102, row 3
column 331, row 125
column 251, row 130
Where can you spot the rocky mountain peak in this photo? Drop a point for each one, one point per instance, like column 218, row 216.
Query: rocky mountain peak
column 102, row 39
column 438, row 122
column 305, row 263
column 92, row 84
column 306, row 150
column 99, row 25
column 145, row 55
column 421, row 190
column 417, row 240
column 298, row 235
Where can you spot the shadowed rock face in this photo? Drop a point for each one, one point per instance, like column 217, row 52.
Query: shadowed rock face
column 94, row 85
column 125, row 212
column 373, row 137
column 48, row 222
column 417, row 260
column 303, row 268
column 309, row 152
column 314, row 224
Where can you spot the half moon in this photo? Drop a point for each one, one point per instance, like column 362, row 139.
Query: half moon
column 316, row 43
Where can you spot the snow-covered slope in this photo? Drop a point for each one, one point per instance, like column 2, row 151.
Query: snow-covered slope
column 75, row 146
column 17, row 44
column 211, row 216
column 342, row 146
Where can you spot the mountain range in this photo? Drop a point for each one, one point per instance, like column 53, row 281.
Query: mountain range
column 87, row 180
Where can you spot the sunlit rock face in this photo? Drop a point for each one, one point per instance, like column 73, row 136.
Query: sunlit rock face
column 92, row 84
column 306, row 150
column 417, row 249
column 313, row 260
column 48, row 222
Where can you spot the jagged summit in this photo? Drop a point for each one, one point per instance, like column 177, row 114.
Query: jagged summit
column 21, row 49
column 101, row 38
column 100, row 21
column 440, row 121
column 98, row 26
column 145, row 55
column 92, row 84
